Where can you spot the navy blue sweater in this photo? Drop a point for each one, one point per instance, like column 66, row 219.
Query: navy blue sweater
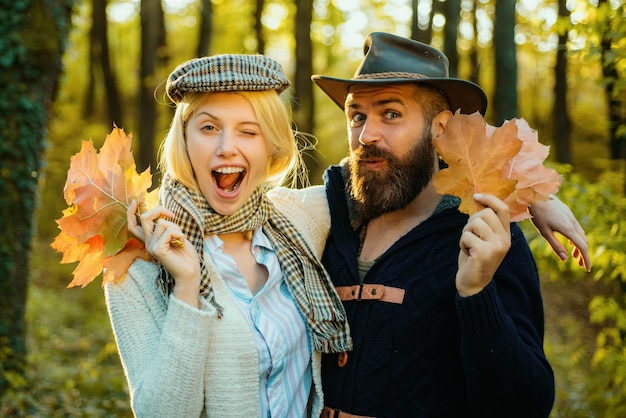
column 436, row 354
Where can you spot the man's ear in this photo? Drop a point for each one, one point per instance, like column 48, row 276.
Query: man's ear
column 439, row 123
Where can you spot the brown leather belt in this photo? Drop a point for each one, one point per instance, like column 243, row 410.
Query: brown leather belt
column 371, row 292
column 328, row 412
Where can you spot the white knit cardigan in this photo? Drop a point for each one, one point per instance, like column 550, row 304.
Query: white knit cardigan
column 181, row 361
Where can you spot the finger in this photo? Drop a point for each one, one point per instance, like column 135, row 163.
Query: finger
column 162, row 239
column 581, row 248
column 150, row 218
column 478, row 225
column 580, row 232
column 173, row 231
column 556, row 245
column 582, row 257
column 498, row 206
column 468, row 241
column 486, row 224
column 131, row 220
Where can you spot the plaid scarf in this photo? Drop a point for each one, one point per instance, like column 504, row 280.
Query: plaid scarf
column 306, row 278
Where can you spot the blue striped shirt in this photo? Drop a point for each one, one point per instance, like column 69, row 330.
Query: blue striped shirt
column 282, row 340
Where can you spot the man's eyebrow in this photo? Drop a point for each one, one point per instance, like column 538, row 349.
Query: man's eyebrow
column 383, row 102
column 353, row 105
column 378, row 103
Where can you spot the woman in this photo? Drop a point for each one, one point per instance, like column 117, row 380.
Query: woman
column 232, row 319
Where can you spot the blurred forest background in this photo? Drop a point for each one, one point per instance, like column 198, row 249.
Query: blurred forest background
column 71, row 69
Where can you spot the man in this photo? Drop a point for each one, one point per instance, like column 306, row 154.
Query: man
column 445, row 311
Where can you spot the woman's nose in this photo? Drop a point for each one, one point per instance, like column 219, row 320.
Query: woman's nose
column 228, row 144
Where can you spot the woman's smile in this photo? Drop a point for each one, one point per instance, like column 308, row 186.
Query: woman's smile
column 228, row 179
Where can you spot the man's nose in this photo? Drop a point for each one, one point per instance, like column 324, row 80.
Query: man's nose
column 370, row 133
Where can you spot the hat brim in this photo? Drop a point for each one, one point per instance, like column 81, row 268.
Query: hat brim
column 462, row 94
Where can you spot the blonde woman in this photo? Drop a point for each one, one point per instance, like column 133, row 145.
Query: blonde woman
column 232, row 316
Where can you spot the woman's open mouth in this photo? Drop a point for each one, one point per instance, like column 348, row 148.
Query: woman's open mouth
column 228, row 179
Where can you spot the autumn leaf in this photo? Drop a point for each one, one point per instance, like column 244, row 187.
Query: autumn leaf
column 475, row 160
column 99, row 188
column 506, row 162
column 116, row 267
column 535, row 182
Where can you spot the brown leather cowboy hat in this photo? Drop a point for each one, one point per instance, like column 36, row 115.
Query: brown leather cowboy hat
column 394, row 59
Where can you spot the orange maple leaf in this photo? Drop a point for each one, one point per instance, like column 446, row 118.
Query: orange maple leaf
column 474, row 159
column 506, row 162
column 98, row 190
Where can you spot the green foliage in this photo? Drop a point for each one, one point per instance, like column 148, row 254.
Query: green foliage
column 601, row 209
column 73, row 368
column 592, row 376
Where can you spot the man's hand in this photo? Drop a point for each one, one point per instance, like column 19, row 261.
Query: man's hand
column 484, row 242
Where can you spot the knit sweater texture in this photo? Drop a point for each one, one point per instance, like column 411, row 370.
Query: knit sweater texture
column 180, row 361
column 436, row 354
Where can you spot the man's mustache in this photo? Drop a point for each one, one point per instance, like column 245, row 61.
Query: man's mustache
column 369, row 152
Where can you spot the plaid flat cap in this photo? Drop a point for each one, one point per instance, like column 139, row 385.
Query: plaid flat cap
column 227, row 72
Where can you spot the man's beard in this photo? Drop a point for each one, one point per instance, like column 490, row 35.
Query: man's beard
column 393, row 188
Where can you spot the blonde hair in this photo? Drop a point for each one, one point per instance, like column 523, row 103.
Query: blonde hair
column 285, row 164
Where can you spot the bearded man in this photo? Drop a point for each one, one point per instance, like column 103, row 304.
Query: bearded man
column 445, row 311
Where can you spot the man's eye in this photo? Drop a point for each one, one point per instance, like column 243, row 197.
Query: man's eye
column 390, row 114
column 358, row 117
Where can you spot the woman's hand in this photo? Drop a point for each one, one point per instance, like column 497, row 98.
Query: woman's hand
column 485, row 240
column 166, row 242
column 555, row 216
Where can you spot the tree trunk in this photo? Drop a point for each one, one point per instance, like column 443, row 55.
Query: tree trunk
column 505, row 97
column 90, row 91
column 152, row 47
column 206, row 29
column 423, row 35
column 99, row 54
column 113, row 100
column 415, row 29
column 473, row 54
column 562, row 123
column 258, row 26
column 303, row 106
column 452, row 12
column 29, row 71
